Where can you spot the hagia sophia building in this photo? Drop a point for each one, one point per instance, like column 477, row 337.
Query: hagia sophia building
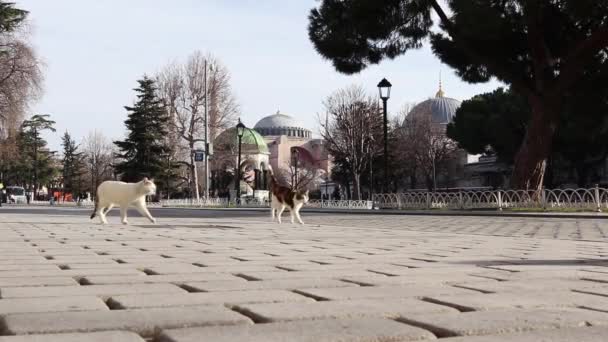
column 275, row 140
column 274, row 143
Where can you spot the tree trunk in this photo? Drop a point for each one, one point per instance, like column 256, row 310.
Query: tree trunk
column 429, row 183
column 531, row 159
column 348, row 192
column 194, row 177
column 582, row 172
column 356, row 186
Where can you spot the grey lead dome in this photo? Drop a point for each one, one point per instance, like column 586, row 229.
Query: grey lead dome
column 281, row 124
column 441, row 109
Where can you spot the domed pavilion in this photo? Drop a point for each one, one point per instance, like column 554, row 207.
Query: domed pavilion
column 254, row 162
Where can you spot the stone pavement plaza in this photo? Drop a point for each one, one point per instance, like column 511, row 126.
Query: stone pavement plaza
column 338, row 278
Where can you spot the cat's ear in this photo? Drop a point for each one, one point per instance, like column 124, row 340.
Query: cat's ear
column 145, row 179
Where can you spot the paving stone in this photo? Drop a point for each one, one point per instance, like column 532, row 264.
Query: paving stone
column 24, row 261
column 530, row 300
column 586, row 334
column 145, row 322
column 357, row 329
column 213, row 269
column 190, row 299
column 391, row 308
column 36, row 281
column 304, row 274
column 595, row 277
column 113, row 266
column 53, row 304
column 104, row 336
column 45, row 267
column 286, row 284
column 95, row 290
column 163, row 278
column 410, row 290
column 82, row 260
column 69, row 273
column 383, row 280
column 528, row 285
column 500, row 322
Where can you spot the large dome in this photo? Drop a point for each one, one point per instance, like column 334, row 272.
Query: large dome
column 281, row 124
column 440, row 109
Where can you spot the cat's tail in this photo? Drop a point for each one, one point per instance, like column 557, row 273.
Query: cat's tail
column 95, row 209
column 273, row 181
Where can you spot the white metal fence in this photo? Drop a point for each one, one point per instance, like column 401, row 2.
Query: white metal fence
column 225, row 203
column 590, row 199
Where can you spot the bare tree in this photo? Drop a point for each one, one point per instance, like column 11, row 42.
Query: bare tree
column 352, row 130
column 99, row 157
column 182, row 88
column 425, row 147
column 20, row 84
column 304, row 177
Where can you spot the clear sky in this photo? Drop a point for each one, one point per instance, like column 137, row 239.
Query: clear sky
column 96, row 50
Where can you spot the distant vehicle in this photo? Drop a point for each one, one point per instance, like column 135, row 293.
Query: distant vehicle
column 15, row 194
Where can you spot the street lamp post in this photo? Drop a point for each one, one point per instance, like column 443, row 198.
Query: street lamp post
column 384, row 87
column 240, row 131
column 295, row 158
column 434, row 175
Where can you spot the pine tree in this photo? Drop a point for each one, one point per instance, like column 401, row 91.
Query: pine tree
column 35, row 155
column 144, row 152
column 72, row 165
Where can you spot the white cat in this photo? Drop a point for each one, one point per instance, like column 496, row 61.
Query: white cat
column 112, row 193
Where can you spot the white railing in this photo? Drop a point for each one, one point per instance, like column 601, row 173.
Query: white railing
column 590, row 199
column 224, row 203
column 338, row 204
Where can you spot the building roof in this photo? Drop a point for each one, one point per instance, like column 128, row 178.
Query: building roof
column 251, row 142
column 441, row 109
column 278, row 120
column 281, row 124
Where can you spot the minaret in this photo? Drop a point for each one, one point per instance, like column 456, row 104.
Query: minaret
column 440, row 92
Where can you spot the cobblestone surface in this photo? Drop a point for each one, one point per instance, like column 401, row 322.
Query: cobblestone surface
column 338, row 278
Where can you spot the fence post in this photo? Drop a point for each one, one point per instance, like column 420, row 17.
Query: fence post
column 543, row 197
column 460, row 201
column 597, row 198
column 499, row 199
column 428, row 200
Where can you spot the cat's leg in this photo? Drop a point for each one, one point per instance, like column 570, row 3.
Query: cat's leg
column 141, row 207
column 123, row 214
column 280, row 212
column 297, row 213
column 102, row 213
column 292, row 213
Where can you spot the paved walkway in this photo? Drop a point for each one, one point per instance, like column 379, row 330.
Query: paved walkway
column 339, row 278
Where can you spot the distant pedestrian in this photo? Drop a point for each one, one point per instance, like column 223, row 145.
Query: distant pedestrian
column 27, row 197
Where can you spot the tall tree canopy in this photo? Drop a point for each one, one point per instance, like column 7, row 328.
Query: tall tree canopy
column 144, row 151
column 540, row 48
column 11, row 17
column 35, row 147
column 496, row 123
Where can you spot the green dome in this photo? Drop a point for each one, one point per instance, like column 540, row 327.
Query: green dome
column 252, row 141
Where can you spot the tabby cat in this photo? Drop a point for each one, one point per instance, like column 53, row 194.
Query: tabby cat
column 283, row 197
